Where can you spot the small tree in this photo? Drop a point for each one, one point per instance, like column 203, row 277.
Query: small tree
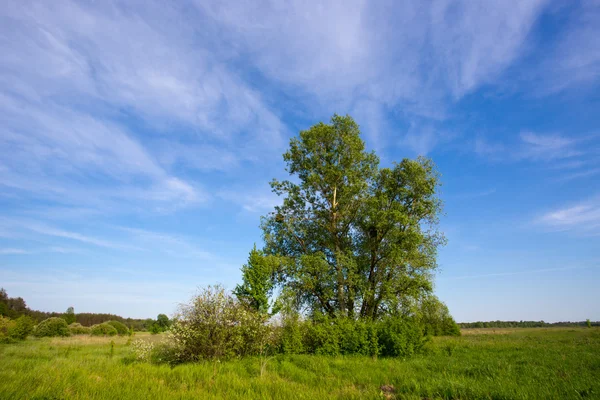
column 69, row 316
column 257, row 281
column 588, row 323
column 162, row 321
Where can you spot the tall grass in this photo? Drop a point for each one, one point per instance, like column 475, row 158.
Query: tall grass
column 525, row 364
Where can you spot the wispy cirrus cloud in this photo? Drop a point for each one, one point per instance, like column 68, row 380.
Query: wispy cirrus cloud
column 409, row 58
column 582, row 218
column 63, row 123
column 547, row 147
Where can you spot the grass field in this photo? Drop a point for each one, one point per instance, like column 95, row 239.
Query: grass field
column 539, row 363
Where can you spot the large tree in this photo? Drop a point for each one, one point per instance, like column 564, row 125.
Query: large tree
column 353, row 239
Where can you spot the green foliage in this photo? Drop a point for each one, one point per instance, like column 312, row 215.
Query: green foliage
column 22, row 328
column 257, row 281
column 6, row 325
column 435, row 317
column 400, row 337
column 291, row 335
column 119, row 327
column 69, row 316
column 163, row 322
column 588, row 323
column 51, row 327
column 154, row 328
column 351, row 239
column 12, row 307
column 103, row 329
column 216, row 326
column 77, row 329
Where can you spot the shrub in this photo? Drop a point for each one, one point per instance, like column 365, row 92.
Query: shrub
column 399, row 337
column 6, row 325
column 215, row 325
column 322, row 337
column 291, row 335
column 154, row 328
column 22, row 328
column 120, row 327
column 103, row 329
column 435, row 317
column 51, row 327
column 77, row 329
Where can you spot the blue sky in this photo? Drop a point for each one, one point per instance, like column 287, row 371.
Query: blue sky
column 137, row 140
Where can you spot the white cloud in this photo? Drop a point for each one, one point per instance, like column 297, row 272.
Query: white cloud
column 405, row 57
column 61, row 122
column 583, row 217
column 547, row 147
column 10, row 251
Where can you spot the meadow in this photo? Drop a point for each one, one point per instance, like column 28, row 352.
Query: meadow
column 537, row 363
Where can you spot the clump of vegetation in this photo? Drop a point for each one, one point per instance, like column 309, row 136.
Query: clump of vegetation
column 23, row 327
column 216, row 326
column 77, row 329
column 103, row 329
column 121, row 329
column 161, row 324
column 435, row 317
column 69, row 316
column 6, row 325
column 51, row 327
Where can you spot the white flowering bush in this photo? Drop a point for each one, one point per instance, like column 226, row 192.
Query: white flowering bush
column 142, row 350
column 216, row 326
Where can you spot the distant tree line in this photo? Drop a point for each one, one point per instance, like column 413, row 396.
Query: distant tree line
column 15, row 307
column 526, row 324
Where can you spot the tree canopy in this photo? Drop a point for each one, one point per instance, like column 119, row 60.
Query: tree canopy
column 351, row 239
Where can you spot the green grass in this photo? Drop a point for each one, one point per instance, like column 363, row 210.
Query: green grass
column 552, row 363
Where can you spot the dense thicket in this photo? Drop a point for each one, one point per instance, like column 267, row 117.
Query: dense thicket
column 103, row 329
column 77, row 329
column 51, row 327
column 215, row 325
column 119, row 327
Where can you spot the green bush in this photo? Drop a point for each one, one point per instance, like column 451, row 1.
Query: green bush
column 340, row 336
column 291, row 335
column 400, row 337
column 22, row 328
column 52, row 327
column 6, row 325
column 77, row 329
column 216, row 326
column 154, row 328
column 120, row 327
column 322, row 337
column 103, row 329
column 435, row 317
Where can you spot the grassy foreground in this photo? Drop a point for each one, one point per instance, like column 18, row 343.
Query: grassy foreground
column 540, row 363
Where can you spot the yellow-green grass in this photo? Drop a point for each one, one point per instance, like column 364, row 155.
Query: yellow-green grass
column 520, row 364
